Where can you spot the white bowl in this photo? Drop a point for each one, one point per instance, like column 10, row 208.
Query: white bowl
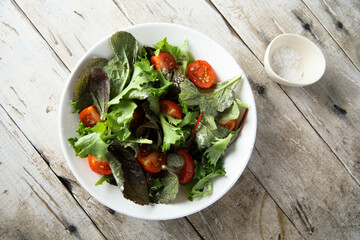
column 313, row 60
column 237, row 157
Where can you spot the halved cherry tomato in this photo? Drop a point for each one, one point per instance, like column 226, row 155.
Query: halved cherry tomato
column 187, row 173
column 138, row 116
column 170, row 108
column 164, row 61
column 90, row 116
column 151, row 161
column 229, row 124
column 201, row 73
column 99, row 166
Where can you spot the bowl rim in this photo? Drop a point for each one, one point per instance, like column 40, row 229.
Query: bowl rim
column 284, row 81
column 63, row 102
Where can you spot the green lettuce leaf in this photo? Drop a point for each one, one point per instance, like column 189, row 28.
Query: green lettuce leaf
column 118, row 119
column 217, row 149
column 143, row 82
column 178, row 52
column 173, row 136
column 210, row 101
column 120, row 67
column 95, row 142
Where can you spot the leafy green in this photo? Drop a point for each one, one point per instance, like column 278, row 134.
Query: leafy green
column 202, row 187
column 84, row 101
column 105, row 178
column 206, row 132
column 99, row 87
column 170, row 188
column 120, row 67
column 156, row 185
column 135, row 183
column 82, row 85
column 210, row 101
column 233, row 112
column 217, row 149
column 178, row 52
column 116, row 169
column 174, row 163
column 118, row 119
column 95, row 142
column 172, row 135
column 142, row 84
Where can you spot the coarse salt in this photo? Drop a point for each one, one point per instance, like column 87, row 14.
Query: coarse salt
column 288, row 64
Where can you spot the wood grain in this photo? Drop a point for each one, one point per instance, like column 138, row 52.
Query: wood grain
column 340, row 19
column 34, row 203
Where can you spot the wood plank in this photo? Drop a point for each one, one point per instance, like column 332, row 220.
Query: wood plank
column 341, row 19
column 34, row 203
column 21, row 81
column 332, row 104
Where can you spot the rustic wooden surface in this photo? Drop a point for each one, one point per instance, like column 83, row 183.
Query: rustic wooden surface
column 302, row 181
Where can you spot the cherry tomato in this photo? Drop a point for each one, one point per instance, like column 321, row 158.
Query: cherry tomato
column 201, row 73
column 99, row 166
column 188, row 171
column 170, row 108
column 151, row 161
column 90, row 116
column 164, row 61
column 229, row 124
column 138, row 117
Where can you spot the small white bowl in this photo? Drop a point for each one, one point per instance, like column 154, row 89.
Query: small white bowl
column 313, row 60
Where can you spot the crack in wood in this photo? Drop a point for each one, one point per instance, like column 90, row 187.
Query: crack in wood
column 46, row 205
column 10, row 27
column 50, row 197
column 80, row 43
column 17, row 95
column 304, row 218
column 121, row 7
column 79, row 14
column 66, row 47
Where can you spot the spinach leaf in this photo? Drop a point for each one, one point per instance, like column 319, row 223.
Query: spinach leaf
column 233, row 112
column 170, row 188
column 210, row 101
column 174, row 163
column 120, row 67
column 135, row 183
column 99, row 87
column 207, row 131
column 118, row 119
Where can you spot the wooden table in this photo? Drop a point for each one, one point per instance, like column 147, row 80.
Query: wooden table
column 302, row 181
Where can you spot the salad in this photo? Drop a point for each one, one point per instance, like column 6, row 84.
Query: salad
column 153, row 119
